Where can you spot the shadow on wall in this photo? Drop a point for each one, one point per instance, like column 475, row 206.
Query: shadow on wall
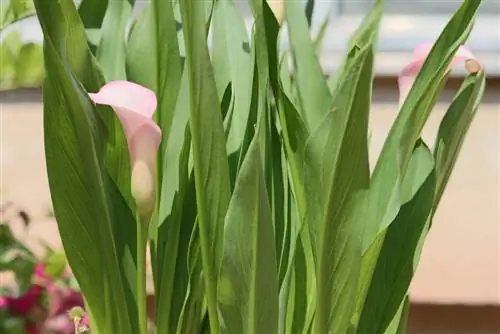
column 453, row 319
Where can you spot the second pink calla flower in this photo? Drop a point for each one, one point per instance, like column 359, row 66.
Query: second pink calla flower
column 135, row 106
column 409, row 73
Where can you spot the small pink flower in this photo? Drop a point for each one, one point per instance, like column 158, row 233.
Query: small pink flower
column 409, row 73
column 22, row 305
column 60, row 324
column 85, row 320
column 40, row 271
column 62, row 299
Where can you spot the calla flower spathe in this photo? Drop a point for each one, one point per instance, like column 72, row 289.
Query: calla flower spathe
column 409, row 73
column 278, row 9
column 135, row 106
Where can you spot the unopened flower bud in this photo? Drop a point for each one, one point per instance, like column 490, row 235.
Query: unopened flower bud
column 143, row 188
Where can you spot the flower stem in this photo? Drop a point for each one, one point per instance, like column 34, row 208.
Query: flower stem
column 142, row 241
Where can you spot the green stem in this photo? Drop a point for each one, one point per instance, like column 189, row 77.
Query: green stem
column 142, row 241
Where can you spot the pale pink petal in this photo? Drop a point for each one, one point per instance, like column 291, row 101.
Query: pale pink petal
column 409, row 73
column 127, row 95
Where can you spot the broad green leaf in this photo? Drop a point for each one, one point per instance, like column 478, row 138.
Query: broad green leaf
column 454, row 127
column 396, row 152
column 398, row 323
column 450, row 137
column 64, row 28
column 395, row 265
column 171, row 209
column 309, row 12
column 232, row 59
column 175, row 295
column 248, row 292
column 153, row 61
column 337, row 181
column 77, row 189
column 211, row 170
column 192, row 308
column 111, row 49
column 86, row 204
column 314, row 96
column 92, row 13
column 385, row 193
column 304, row 293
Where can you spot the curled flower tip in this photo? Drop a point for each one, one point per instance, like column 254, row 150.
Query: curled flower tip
column 4, row 302
column 409, row 73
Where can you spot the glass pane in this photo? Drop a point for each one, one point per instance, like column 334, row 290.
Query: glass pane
column 426, row 7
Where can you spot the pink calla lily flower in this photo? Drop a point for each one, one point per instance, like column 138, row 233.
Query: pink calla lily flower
column 135, row 105
column 409, row 73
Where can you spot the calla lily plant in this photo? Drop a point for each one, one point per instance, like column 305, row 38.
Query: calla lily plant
column 249, row 179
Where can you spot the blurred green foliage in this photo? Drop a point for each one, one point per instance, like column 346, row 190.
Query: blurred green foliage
column 21, row 63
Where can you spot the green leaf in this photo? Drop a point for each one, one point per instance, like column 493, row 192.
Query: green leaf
column 92, row 13
column 57, row 18
column 337, row 181
column 314, row 96
column 87, row 206
column 192, row 308
column 211, row 170
column 454, row 128
column 396, row 152
column 232, row 60
column 171, row 249
column 111, row 49
column 398, row 323
column 399, row 254
column 248, row 292
column 153, row 61
column 15, row 10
